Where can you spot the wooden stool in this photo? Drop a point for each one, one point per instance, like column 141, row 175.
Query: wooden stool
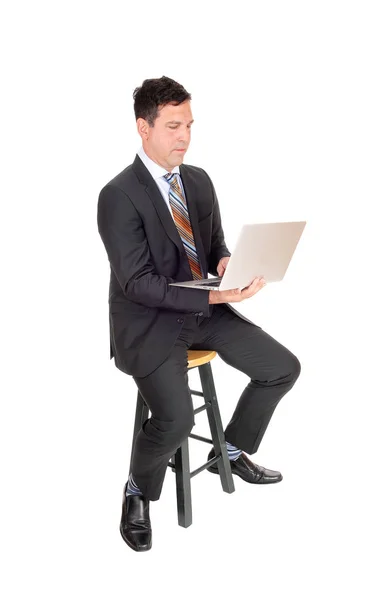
column 180, row 462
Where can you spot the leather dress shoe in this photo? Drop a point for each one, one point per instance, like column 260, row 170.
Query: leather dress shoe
column 247, row 470
column 135, row 525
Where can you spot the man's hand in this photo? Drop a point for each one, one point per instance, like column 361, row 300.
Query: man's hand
column 221, row 268
column 216, row 297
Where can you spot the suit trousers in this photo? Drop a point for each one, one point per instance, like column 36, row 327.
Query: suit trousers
column 272, row 370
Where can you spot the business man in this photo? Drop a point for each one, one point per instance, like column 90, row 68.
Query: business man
column 160, row 222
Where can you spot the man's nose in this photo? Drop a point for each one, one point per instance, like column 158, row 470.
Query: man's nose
column 184, row 136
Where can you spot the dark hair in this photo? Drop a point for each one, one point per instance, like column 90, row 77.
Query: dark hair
column 155, row 93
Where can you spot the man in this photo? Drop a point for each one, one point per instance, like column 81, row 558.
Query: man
column 160, row 222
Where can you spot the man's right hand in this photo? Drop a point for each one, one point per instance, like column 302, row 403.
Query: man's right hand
column 216, row 297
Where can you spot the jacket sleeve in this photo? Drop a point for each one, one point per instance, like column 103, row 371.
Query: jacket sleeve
column 218, row 247
column 123, row 236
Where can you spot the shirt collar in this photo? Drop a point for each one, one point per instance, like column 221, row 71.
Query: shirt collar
column 154, row 169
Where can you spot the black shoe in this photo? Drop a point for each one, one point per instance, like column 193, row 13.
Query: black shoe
column 247, row 470
column 135, row 525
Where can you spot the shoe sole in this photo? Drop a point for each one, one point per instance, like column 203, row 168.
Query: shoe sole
column 135, row 548
column 216, row 472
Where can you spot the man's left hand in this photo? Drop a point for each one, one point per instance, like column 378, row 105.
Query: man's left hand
column 221, row 268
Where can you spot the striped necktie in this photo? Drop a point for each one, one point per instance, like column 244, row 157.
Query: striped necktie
column 182, row 221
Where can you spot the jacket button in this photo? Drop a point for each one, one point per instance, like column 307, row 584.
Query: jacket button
column 180, row 320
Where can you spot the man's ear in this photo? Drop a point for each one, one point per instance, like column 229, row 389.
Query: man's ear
column 143, row 128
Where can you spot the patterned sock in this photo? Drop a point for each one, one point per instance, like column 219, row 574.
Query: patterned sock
column 233, row 452
column 132, row 488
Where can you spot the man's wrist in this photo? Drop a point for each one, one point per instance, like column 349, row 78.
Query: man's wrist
column 213, row 297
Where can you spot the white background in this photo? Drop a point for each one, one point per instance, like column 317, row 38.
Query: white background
column 291, row 106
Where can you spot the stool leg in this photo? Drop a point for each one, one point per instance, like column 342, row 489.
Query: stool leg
column 141, row 414
column 215, row 422
column 183, row 485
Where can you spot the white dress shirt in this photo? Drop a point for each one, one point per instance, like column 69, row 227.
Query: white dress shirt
column 158, row 172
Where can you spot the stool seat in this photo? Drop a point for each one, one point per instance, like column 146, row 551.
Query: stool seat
column 199, row 357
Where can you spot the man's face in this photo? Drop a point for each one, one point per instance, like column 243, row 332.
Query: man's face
column 167, row 142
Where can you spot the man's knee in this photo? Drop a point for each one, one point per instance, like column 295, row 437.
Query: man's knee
column 184, row 426
column 286, row 370
column 173, row 432
column 289, row 368
column 295, row 367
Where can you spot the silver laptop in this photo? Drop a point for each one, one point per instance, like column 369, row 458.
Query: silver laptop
column 262, row 249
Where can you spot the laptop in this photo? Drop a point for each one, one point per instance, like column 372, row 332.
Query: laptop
column 262, row 249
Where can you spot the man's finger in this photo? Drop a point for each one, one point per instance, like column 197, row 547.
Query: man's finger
column 255, row 282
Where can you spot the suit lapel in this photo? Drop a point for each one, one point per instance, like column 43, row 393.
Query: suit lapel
column 152, row 190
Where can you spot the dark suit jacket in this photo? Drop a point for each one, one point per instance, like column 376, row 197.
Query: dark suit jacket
column 146, row 254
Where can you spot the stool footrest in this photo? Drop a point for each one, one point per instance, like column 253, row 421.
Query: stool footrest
column 205, row 466
column 200, row 438
column 200, row 408
column 209, row 463
column 196, row 393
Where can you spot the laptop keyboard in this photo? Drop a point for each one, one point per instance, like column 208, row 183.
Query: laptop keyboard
column 209, row 282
